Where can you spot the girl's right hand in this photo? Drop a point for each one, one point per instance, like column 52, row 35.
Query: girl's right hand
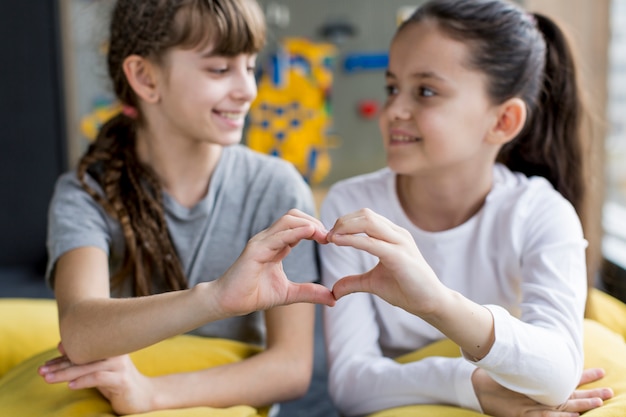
column 256, row 281
column 402, row 277
column 498, row 401
column 117, row 379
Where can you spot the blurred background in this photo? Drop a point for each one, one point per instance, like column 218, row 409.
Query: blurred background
column 321, row 84
column 320, row 89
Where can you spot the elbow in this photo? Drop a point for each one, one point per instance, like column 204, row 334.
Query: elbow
column 559, row 391
column 340, row 394
column 299, row 380
column 301, row 387
column 560, row 384
column 71, row 345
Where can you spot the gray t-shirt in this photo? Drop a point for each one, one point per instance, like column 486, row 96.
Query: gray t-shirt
column 247, row 193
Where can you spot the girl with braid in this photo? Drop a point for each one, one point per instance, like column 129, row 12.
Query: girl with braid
column 170, row 226
column 471, row 232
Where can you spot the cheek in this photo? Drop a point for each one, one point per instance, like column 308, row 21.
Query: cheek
column 382, row 123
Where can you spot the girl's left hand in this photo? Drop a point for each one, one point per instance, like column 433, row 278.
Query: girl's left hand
column 402, row 276
column 498, row 401
column 117, row 379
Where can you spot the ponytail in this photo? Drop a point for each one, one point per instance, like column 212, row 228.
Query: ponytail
column 550, row 145
column 132, row 195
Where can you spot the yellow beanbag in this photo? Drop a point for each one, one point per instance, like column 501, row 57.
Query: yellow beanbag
column 27, row 327
column 608, row 311
column 33, row 330
column 604, row 348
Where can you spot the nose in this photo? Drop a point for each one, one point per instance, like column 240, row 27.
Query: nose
column 397, row 108
column 244, row 88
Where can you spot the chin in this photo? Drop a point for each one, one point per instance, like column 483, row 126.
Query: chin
column 228, row 140
column 400, row 164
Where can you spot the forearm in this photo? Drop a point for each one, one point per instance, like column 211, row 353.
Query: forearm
column 97, row 328
column 264, row 379
column 543, row 363
column 468, row 324
column 367, row 385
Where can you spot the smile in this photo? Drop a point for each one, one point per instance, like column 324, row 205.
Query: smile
column 403, row 138
column 231, row 115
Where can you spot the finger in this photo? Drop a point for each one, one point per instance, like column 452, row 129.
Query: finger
column 377, row 224
column 368, row 231
column 349, row 285
column 591, row 375
column 295, row 217
column 56, row 360
column 301, row 214
column 602, row 393
column 288, row 238
column 582, row 405
column 309, row 228
column 362, row 221
column 99, row 379
column 310, row 293
column 74, row 371
column 55, row 365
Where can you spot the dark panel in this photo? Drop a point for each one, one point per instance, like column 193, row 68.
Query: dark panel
column 32, row 150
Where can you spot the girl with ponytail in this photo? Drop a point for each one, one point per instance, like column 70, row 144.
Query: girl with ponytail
column 170, row 226
column 472, row 228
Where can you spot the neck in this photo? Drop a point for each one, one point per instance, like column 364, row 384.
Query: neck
column 183, row 167
column 437, row 202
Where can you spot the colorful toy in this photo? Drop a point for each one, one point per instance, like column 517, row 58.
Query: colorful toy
column 291, row 117
column 103, row 110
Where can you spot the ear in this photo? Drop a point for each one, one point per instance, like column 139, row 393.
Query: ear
column 510, row 119
column 142, row 77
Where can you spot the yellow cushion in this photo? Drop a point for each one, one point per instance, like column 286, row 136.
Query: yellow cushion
column 608, row 311
column 27, row 327
column 31, row 329
column 24, row 393
column 604, row 348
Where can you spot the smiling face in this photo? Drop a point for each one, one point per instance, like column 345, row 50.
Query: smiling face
column 437, row 113
column 204, row 96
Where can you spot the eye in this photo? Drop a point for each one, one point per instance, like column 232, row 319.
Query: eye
column 218, row 71
column 391, row 90
column 426, row 92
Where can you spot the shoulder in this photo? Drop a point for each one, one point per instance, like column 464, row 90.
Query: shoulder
column 532, row 202
column 68, row 188
column 527, row 193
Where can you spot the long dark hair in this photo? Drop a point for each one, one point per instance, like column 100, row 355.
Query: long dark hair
column 523, row 55
column 131, row 191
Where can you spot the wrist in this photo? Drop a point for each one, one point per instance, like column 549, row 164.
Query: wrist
column 160, row 396
column 208, row 296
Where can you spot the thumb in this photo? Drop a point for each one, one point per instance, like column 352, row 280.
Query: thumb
column 310, row 293
column 351, row 284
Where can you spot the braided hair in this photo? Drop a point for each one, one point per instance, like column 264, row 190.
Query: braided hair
column 131, row 192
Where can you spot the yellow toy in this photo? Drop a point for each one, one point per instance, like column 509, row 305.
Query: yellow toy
column 102, row 112
column 290, row 117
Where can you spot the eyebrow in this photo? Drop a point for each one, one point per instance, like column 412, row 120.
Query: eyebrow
column 420, row 74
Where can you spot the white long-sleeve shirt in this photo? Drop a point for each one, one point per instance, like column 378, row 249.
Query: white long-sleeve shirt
column 522, row 256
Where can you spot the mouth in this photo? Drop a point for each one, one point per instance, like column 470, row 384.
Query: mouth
column 231, row 116
column 402, row 139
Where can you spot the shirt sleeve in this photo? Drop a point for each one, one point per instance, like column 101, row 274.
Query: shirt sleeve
column 361, row 379
column 540, row 353
column 75, row 220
